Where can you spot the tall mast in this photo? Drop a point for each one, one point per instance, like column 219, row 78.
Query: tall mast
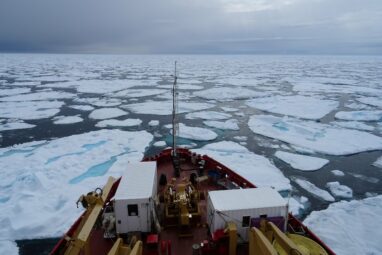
column 175, row 124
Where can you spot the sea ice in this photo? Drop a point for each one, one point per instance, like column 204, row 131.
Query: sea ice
column 260, row 172
column 100, row 102
column 314, row 190
column 228, row 93
column 313, row 87
column 353, row 125
column 240, row 138
column 350, row 227
column 298, row 106
column 14, row 124
column 182, row 86
column 160, row 144
column 39, row 200
column 378, row 162
column 138, row 93
column 365, row 178
column 196, row 133
column 153, row 123
column 8, row 247
column 319, row 137
column 63, row 120
column 82, row 107
column 119, row 123
column 229, row 109
column 11, row 92
column 301, row 162
column 165, row 107
column 374, row 101
column 106, row 113
column 338, row 172
column 30, row 110
column 103, row 86
column 224, row 125
column 38, row 96
column 339, row 190
column 208, row 115
column 296, row 204
column 360, row 115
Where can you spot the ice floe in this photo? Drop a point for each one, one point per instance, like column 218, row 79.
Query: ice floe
column 165, row 107
column 196, row 133
column 350, row 227
column 228, row 93
column 301, row 162
column 16, row 91
column 64, row 120
column 58, row 172
column 298, row 106
column 160, row 144
column 261, row 172
column 337, row 172
column 153, row 123
column 312, row 87
column 378, row 162
column 319, row 137
column 13, row 124
column 182, row 86
column 103, row 86
column 30, row 110
column 297, row 204
column 229, row 109
column 360, row 115
column 82, row 107
column 138, row 93
column 208, row 115
column 365, row 178
column 353, row 125
column 339, row 190
column 38, row 96
column 106, row 113
column 231, row 124
column 373, row 101
column 101, row 102
column 8, row 247
column 314, row 190
column 119, row 123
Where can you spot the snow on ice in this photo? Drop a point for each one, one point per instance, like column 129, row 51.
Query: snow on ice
column 58, row 172
column 319, row 137
column 82, row 107
column 11, row 92
column 30, row 110
column 106, row 113
column 373, row 101
column 261, row 172
column 38, row 96
column 153, row 123
column 8, row 247
column 298, row 106
column 353, row 125
column 338, row 172
column 301, row 162
column 350, row 227
column 196, row 133
column 228, row 93
column 138, row 93
column 13, row 124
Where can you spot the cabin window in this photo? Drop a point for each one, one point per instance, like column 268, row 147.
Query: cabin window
column 245, row 221
column 132, row 210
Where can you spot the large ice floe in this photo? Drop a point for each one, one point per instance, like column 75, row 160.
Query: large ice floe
column 138, row 93
column 261, row 172
column 314, row 190
column 165, row 107
column 8, row 247
column 374, row 101
column 318, row 137
column 102, row 86
column 119, row 123
column 298, row 106
column 106, row 113
column 30, row 110
column 16, row 91
column 196, row 133
column 14, row 124
column 64, row 120
column 231, row 124
column 208, row 115
column 360, row 115
column 350, row 227
column 340, row 190
column 228, row 93
column 301, row 162
column 38, row 96
column 39, row 200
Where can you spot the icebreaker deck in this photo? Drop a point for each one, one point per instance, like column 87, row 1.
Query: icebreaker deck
column 162, row 207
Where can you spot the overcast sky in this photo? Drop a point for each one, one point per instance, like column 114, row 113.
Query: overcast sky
column 193, row 26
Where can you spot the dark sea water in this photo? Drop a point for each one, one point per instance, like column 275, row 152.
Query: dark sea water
column 274, row 75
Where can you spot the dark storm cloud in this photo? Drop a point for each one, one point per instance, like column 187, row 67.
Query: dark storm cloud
column 214, row 26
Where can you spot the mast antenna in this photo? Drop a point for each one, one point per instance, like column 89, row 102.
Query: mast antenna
column 175, row 124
